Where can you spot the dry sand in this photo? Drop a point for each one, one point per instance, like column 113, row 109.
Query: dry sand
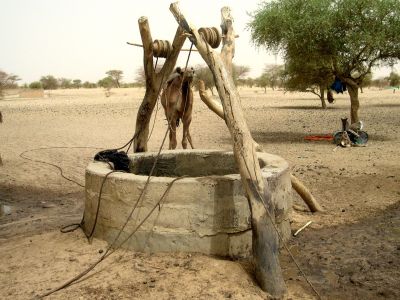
column 350, row 252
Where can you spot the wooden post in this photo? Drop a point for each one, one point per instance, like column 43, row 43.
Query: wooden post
column 297, row 185
column 154, row 81
column 265, row 240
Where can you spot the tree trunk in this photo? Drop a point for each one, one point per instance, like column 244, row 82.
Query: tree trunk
column 354, row 102
column 154, row 81
column 265, row 240
column 322, row 96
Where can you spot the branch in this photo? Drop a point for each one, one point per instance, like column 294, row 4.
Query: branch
column 147, row 42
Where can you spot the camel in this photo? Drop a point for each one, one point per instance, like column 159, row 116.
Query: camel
column 177, row 100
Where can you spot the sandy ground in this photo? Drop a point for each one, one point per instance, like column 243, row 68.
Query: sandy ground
column 350, row 252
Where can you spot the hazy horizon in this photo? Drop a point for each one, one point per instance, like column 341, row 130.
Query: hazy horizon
column 84, row 39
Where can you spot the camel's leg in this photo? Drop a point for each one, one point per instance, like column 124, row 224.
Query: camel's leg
column 186, row 134
column 172, row 134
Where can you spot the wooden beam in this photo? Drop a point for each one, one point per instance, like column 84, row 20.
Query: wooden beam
column 265, row 239
column 140, row 45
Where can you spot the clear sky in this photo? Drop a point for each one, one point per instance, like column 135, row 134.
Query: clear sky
column 85, row 38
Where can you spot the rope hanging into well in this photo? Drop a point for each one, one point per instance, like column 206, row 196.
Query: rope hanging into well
column 212, row 36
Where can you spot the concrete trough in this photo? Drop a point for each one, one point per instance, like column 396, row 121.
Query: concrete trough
column 205, row 212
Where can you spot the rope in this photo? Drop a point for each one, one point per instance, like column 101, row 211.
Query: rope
column 211, row 35
column 98, row 204
column 110, row 249
column 187, row 60
column 23, row 156
column 162, row 48
column 158, row 97
column 279, row 234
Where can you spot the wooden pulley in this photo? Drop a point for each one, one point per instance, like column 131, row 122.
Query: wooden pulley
column 211, row 35
column 161, row 48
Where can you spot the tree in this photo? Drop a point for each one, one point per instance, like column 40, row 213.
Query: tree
column 116, row 76
column 306, row 76
column 272, row 76
column 394, row 79
column 380, row 83
column 275, row 74
column 263, row 81
column 3, row 82
column 64, row 83
column 239, row 72
column 89, row 85
column 203, row 73
column 106, row 82
column 7, row 81
column 36, row 85
column 76, row 83
column 140, row 79
column 49, row 82
column 348, row 36
column 366, row 82
column 12, row 81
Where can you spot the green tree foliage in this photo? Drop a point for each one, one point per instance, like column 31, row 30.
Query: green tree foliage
column 380, row 82
column 263, row 81
column 239, row 72
column 250, row 82
column 64, row 83
column 306, row 76
column 36, row 85
column 116, row 76
column 89, row 85
column 394, row 79
column 106, row 82
column 76, row 83
column 49, row 82
column 202, row 72
column 348, row 36
column 366, row 82
column 3, row 82
column 7, row 81
column 12, row 81
column 272, row 76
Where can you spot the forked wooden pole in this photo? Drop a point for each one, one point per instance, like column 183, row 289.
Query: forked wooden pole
column 154, row 81
column 265, row 239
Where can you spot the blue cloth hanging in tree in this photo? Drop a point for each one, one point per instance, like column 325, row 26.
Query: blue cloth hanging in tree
column 338, row 86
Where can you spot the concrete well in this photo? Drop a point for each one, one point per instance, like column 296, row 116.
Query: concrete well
column 205, row 212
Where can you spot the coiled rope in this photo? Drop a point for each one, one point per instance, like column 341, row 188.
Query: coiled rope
column 212, row 36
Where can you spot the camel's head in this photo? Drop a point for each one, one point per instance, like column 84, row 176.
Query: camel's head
column 187, row 75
